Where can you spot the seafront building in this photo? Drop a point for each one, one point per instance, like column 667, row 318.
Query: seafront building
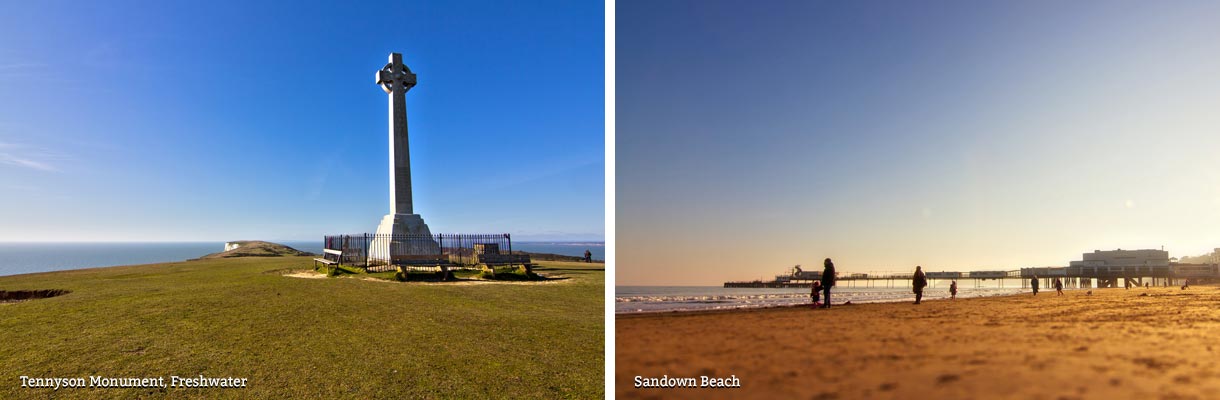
column 1114, row 268
column 1124, row 258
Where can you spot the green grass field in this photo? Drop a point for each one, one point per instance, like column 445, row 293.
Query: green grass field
column 306, row 338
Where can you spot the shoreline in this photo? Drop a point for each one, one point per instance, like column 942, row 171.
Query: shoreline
column 1116, row 343
column 1019, row 291
column 807, row 306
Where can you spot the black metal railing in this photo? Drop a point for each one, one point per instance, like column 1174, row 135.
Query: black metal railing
column 368, row 249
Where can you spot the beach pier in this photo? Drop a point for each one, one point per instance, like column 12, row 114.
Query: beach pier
column 1079, row 277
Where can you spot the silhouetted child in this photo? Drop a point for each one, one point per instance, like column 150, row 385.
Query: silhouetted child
column 1059, row 286
column 953, row 290
column 816, row 294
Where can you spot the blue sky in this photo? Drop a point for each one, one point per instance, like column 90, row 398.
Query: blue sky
column 137, row 120
column 957, row 135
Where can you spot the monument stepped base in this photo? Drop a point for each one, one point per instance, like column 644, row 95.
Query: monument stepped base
column 403, row 224
column 383, row 247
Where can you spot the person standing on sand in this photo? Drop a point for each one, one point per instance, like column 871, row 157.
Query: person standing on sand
column 828, row 281
column 953, row 291
column 816, row 294
column 1059, row 286
column 919, row 281
column 1033, row 282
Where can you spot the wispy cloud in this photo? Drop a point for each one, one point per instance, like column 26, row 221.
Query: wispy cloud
column 25, row 162
column 22, row 71
column 13, row 66
column 30, row 157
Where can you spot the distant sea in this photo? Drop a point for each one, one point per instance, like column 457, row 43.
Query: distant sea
column 24, row 258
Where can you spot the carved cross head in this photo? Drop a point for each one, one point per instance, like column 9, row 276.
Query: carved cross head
column 395, row 76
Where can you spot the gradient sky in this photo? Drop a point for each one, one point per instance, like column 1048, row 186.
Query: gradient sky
column 149, row 120
column 956, row 135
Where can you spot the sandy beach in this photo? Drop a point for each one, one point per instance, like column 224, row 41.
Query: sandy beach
column 1159, row 343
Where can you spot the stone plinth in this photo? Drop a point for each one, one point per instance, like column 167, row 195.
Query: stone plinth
column 387, row 242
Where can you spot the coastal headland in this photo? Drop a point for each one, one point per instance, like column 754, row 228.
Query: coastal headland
column 242, row 320
column 1157, row 343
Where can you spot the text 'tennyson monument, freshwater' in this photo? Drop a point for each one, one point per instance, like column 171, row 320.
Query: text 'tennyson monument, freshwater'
column 396, row 79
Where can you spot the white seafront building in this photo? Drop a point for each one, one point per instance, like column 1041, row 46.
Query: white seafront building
column 1124, row 259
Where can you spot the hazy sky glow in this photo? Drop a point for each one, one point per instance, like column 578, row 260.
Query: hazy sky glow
column 145, row 120
column 953, row 135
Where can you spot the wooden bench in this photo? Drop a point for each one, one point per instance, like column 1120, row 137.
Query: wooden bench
column 420, row 260
column 404, row 261
column 502, row 260
column 326, row 258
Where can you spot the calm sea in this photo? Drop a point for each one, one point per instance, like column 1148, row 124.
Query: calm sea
column 24, row 258
column 640, row 299
column 598, row 249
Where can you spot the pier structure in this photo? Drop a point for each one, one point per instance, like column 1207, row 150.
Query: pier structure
column 1072, row 277
column 1098, row 269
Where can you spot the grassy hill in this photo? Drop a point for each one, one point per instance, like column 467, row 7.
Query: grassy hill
column 258, row 248
column 306, row 338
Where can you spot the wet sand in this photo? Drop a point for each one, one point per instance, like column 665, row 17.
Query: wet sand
column 1114, row 344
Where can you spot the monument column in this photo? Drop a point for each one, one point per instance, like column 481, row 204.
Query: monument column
column 396, row 79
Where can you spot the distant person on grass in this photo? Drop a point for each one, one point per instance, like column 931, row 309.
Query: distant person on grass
column 1033, row 282
column 953, row 290
column 816, row 294
column 1059, row 286
column 828, row 281
column 919, row 281
column 588, row 256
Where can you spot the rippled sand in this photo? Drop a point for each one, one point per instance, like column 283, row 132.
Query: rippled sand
column 1159, row 343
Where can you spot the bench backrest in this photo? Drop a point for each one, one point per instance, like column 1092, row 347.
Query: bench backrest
column 335, row 252
column 415, row 257
column 503, row 258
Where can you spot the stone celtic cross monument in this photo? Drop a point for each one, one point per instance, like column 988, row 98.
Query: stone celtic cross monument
column 396, row 79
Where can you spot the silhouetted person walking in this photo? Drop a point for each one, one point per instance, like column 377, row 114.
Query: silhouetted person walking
column 953, row 290
column 919, row 281
column 1059, row 287
column 588, row 256
column 1033, row 282
column 828, row 281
